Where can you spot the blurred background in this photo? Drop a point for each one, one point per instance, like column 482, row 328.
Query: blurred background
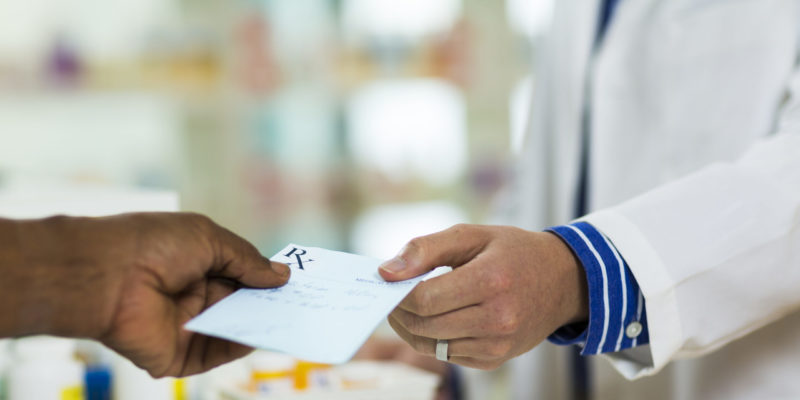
column 347, row 124
column 352, row 125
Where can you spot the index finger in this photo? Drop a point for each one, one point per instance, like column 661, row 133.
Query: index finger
column 463, row 287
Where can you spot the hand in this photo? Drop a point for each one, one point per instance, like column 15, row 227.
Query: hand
column 132, row 281
column 508, row 291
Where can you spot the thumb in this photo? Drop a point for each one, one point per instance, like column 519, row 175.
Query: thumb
column 452, row 247
column 240, row 261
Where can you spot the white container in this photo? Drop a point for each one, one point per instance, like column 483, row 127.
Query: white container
column 45, row 368
column 357, row 380
column 5, row 362
column 133, row 383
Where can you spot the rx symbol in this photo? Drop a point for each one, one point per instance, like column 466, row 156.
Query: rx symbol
column 298, row 254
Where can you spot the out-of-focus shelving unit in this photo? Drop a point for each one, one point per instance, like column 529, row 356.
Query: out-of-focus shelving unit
column 347, row 124
column 283, row 120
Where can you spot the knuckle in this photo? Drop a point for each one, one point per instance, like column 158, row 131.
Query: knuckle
column 507, row 322
column 415, row 325
column 464, row 230
column 199, row 220
column 499, row 282
column 416, row 247
column 460, row 228
column 420, row 302
column 425, row 308
column 412, row 301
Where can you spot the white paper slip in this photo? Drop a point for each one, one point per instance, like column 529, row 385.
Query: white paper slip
column 331, row 305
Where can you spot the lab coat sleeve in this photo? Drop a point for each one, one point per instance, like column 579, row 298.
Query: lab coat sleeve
column 717, row 253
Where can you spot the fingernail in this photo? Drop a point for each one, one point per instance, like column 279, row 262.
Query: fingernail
column 394, row 265
column 280, row 268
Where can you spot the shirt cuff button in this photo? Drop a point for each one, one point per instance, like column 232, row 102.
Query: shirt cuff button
column 633, row 330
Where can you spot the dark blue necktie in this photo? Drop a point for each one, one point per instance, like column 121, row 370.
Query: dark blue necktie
column 607, row 12
column 581, row 198
column 580, row 367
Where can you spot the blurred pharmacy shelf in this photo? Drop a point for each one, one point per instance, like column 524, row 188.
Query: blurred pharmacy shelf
column 345, row 124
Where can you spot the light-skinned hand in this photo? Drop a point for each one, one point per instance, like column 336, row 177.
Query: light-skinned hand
column 509, row 289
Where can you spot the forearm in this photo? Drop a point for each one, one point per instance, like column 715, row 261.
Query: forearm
column 51, row 283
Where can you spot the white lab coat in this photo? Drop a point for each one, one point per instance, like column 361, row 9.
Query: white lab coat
column 695, row 177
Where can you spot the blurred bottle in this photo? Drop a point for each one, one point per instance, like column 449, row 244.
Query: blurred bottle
column 310, row 375
column 98, row 377
column 4, row 364
column 256, row 66
column 133, row 383
column 45, row 368
column 64, row 66
column 452, row 52
column 358, row 376
column 98, row 382
column 272, row 373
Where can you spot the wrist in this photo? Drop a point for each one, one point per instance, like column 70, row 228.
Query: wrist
column 12, row 283
column 57, row 284
column 575, row 299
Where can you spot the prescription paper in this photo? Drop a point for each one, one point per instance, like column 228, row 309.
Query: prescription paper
column 330, row 306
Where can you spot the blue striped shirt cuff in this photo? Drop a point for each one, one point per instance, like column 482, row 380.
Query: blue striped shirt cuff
column 617, row 317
